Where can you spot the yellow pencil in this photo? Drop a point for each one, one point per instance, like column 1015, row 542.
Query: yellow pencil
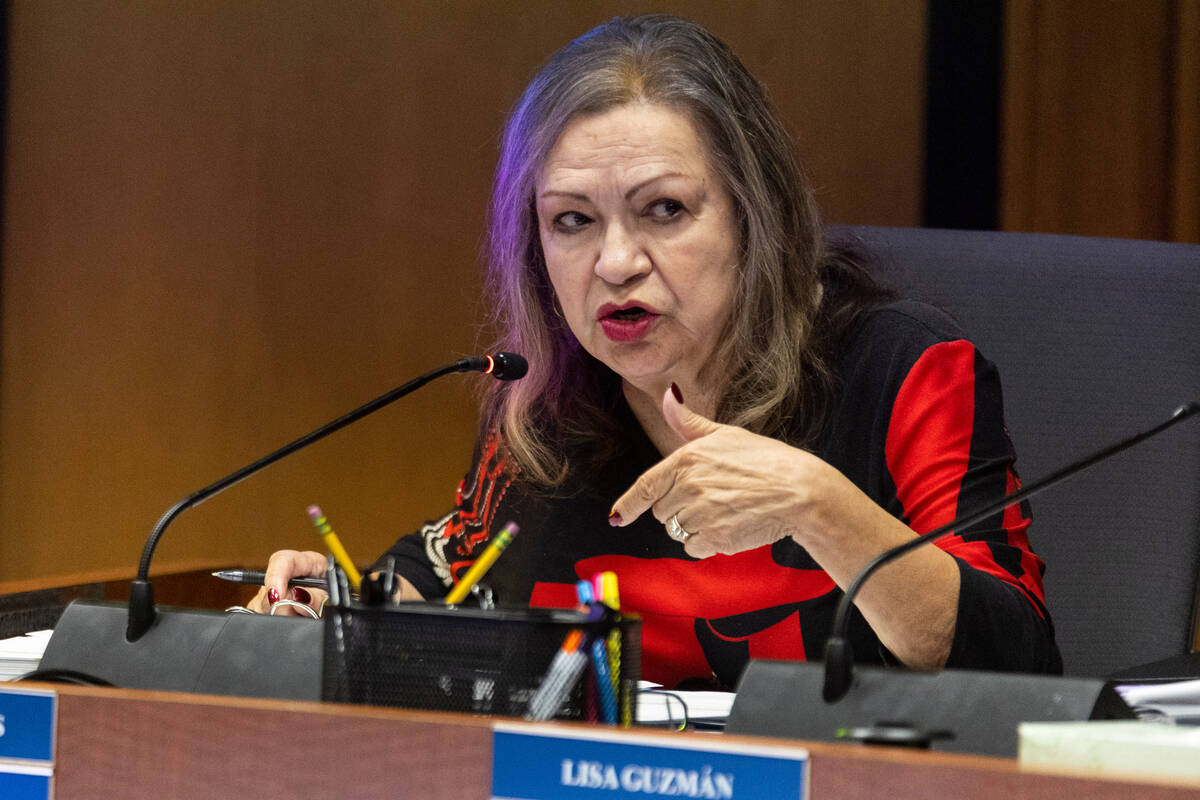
column 335, row 546
column 482, row 564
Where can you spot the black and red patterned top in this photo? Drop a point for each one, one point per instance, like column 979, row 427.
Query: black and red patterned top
column 917, row 424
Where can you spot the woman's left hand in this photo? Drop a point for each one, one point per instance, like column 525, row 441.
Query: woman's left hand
column 733, row 490
column 730, row 489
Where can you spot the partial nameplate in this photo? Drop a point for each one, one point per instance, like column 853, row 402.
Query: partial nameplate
column 25, row 782
column 27, row 720
column 538, row 762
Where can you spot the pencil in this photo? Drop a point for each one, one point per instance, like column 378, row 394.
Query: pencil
column 335, row 546
column 482, row 564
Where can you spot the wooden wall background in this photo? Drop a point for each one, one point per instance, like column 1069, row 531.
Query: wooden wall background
column 227, row 222
column 1101, row 114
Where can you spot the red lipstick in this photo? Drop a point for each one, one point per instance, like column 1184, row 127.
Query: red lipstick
column 627, row 322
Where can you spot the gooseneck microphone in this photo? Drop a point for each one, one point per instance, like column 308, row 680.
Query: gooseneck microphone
column 839, row 655
column 502, row 366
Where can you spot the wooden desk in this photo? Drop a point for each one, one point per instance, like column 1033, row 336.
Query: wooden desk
column 152, row 745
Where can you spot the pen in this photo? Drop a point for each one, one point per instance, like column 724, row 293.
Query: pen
column 610, row 595
column 257, row 578
column 482, row 564
column 335, row 546
column 334, row 578
column 604, row 681
column 583, row 590
column 560, row 678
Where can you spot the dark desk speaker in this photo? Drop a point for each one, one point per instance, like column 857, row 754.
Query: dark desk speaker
column 978, row 710
column 190, row 650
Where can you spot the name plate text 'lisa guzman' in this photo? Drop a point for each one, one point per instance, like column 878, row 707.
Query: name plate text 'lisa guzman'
column 27, row 720
column 533, row 762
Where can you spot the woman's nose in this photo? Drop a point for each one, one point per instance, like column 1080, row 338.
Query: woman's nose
column 621, row 257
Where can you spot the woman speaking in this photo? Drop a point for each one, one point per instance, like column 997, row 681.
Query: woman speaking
column 721, row 407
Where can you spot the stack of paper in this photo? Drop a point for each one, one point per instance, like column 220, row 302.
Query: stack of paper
column 1178, row 701
column 21, row 654
column 1112, row 747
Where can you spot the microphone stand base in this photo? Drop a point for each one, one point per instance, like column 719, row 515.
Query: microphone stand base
column 980, row 710
column 191, row 650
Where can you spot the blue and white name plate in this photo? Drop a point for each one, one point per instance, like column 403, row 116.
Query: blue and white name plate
column 27, row 718
column 23, row 782
column 533, row 762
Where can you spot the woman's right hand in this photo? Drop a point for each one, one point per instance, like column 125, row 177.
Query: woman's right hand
column 283, row 566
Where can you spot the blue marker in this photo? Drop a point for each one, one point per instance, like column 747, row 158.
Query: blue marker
column 608, row 697
column 583, row 590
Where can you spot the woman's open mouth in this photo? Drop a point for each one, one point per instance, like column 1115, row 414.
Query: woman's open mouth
column 626, row 323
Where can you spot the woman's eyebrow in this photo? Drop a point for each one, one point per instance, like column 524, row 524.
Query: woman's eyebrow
column 561, row 193
column 643, row 184
column 628, row 194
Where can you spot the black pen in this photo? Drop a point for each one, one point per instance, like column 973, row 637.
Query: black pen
column 257, row 578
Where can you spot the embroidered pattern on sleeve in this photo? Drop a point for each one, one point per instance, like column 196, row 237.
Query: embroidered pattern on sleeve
column 453, row 542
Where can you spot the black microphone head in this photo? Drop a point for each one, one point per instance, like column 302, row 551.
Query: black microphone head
column 507, row 366
column 141, row 610
column 839, row 669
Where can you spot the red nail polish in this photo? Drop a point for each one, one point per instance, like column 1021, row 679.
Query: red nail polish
column 272, row 596
column 614, row 519
column 301, row 595
column 675, row 391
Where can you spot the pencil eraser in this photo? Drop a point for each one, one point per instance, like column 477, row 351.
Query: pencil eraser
column 314, row 511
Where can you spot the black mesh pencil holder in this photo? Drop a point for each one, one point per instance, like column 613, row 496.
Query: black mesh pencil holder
column 448, row 658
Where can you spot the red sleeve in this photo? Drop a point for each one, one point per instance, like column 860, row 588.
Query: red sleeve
column 948, row 454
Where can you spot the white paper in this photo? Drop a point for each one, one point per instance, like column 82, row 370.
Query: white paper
column 658, row 705
column 22, row 654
